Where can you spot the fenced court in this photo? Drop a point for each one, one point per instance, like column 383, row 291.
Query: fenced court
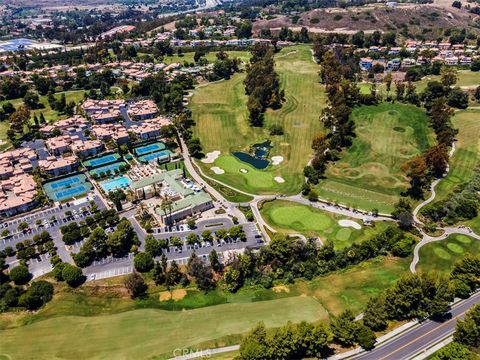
column 67, row 188
column 104, row 169
column 101, row 161
column 150, row 148
column 163, row 155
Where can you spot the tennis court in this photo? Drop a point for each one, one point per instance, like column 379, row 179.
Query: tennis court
column 104, row 169
column 104, row 160
column 150, row 148
column 163, row 155
column 67, row 188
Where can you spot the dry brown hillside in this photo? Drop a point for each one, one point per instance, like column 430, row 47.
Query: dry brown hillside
column 430, row 20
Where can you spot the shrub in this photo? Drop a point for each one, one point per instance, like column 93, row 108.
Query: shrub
column 20, row 275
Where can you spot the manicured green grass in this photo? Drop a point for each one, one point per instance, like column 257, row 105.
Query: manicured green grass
column 369, row 174
column 465, row 159
column 211, row 57
column 467, row 153
column 221, row 117
column 442, row 255
column 141, row 334
column 96, row 323
column 289, row 217
column 49, row 114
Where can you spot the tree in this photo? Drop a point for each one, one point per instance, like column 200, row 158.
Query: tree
column 152, row 246
column 117, row 196
column 72, row 275
column 457, row 4
column 20, row 275
column 449, row 76
column 38, row 294
column 366, row 337
column 467, row 331
column 458, row 98
column 244, row 30
column 192, row 238
column 375, row 315
column 158, row 274
column 143, row 262
column 254, row 344
column 173, row 274
column 214, row 262
column 31, row 100
column 344, row 328
column 202, row 273
column 453, row 351
column 135, row 285
column 436, row 158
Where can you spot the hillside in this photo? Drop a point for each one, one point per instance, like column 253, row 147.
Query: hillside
column 429, row 20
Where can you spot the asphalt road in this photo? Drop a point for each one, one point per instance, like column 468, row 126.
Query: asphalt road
column 412, row 342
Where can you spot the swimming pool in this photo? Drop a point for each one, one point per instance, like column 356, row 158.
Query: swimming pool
column 104, row 169
column 122, row 182
column 67, row 188
column 161, row 155
column 142, row 150
column 106, row 159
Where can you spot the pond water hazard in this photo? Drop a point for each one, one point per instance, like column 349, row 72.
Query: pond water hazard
column 257, row 156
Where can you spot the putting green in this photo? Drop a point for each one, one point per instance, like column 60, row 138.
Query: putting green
column 290, row 217
column 369, row 174
column 456, row 248
column 442, row 255
column 343, row 234
column 463, row 239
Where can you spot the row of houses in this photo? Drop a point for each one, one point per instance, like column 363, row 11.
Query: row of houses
column 396, row 64
column 18, row 189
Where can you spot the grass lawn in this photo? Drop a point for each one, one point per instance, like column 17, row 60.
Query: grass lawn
column 369, row 174
column 143, row 333
column 289, row 217
column 211, row 57
column 465, row 159
column 467, row 153
column 221, row 117
column 442, row 255
column 49, row 114
column 97, row 323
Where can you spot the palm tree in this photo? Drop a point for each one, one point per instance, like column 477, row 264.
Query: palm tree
column 167, row 205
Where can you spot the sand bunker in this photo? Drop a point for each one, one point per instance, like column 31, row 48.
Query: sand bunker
column 210, row 157
column 177, row 294
column 276, row 160
column 243, row 171
column 279, row 179
column 281, row 288
column 349, row 223
column 217, row 170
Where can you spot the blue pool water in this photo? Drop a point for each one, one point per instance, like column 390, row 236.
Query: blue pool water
column 142, row 150
column 162, row 155
column 122, row 182
column 107, row 159
column 105, row 168
column 258, row 156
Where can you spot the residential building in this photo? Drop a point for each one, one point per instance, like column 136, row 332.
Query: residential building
column 57, row 166
column 17, row 194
